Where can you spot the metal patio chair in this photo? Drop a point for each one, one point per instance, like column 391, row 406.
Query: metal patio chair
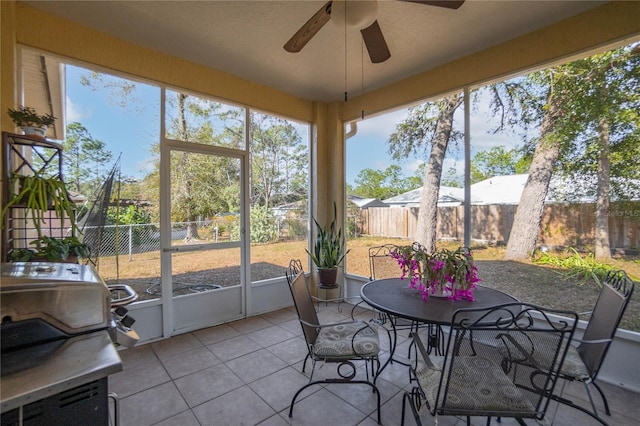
column 483, row 372
column 341, row 343
column 381, row 264
column 586, row 356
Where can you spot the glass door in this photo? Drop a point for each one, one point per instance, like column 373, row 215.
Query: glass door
column 202, row 236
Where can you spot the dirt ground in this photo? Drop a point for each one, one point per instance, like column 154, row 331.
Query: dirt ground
column 198, row 271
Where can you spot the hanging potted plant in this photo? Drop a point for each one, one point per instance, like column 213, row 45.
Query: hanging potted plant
column 38, row 195
column 328, row 251
column 30, row 121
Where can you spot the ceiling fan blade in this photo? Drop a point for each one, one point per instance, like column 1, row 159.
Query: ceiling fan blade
column 376, row 45
column 449, row 4
column 309, row 29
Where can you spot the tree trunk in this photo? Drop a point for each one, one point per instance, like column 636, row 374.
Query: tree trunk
column 528, row 217
column 192, row 226
column 602, row 246
column 428, row 214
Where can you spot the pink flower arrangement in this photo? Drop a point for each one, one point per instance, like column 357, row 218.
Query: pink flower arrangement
column 451, row 273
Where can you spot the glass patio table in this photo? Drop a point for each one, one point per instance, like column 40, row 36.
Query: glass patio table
column 394, row 297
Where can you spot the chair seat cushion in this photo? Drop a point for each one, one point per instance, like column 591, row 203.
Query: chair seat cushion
column 477, row 384
column 346, row 341
column 573, row 365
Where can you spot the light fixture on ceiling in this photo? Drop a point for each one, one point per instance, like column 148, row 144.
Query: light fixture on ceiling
column 356, row 14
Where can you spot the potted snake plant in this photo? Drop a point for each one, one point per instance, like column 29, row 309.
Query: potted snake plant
column 328, row 251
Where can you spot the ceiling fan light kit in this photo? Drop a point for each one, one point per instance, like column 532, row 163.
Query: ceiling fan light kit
column 356, row 14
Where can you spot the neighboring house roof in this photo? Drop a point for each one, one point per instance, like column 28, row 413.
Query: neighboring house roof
column 364, row 203
column 499, row 190
column 448, row 196
column 508, row 190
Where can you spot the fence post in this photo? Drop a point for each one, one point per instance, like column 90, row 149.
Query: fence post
column 130, row 241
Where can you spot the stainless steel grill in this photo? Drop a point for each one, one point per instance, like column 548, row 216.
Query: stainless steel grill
column 55, row 339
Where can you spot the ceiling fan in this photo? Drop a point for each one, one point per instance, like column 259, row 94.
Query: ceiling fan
column 360, row 14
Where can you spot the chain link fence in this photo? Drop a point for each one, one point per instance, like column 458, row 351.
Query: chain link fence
column 126, row 240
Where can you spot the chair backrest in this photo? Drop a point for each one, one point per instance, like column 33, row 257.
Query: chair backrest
column 295, row 267
column 304, row 306
column 605, row 318
column 503, row 360
column 381, row 264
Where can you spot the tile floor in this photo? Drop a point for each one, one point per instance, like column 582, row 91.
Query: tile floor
column 246, row 372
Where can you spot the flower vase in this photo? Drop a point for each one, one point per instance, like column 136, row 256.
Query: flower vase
column 440, row 291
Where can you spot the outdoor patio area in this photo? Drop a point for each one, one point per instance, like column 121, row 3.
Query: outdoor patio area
column 246, row 372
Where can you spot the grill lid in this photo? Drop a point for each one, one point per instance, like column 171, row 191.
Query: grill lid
column 72, row 298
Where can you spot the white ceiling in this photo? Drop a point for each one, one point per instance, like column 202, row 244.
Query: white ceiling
column 245, row 38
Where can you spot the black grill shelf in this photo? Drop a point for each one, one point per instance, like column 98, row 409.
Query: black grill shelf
column 83, row 405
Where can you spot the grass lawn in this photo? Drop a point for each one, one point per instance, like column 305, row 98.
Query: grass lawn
column 529, row 282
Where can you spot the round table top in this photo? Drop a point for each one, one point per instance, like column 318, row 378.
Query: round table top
column 395, row 297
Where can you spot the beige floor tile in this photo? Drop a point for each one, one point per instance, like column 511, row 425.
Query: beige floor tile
column 207, row 384
column 324, row 408
column 186, row 363
column 139, row 377
column 234, row 348
column 250, row 324
column 175, row 345
column 186, row 418
column 238, row 407
column 151, row 406
column 290, row 351
column 255, row 365
column 277, row 389
column 270, row 336
column 210, row 369
column 216, row 334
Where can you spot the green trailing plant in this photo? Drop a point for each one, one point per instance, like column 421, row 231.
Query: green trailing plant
column 329, row 248
column 576, row 266
column 28, row 117
column 38, row 195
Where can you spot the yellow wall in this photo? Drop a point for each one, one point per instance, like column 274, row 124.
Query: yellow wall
column 7, row 64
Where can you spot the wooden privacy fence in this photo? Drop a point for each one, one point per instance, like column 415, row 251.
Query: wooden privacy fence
column 563, row 225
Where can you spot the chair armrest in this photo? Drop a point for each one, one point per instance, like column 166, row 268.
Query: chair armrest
column 593, row 342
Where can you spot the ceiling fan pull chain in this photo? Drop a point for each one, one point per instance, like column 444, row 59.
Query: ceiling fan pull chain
column 345, row 51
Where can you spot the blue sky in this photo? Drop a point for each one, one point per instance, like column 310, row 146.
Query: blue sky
column 369, row 147
column 134, row 129
column 130, row 131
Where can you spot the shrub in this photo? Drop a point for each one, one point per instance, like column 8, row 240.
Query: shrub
column 581, row 268
column 263, row 226
column 297, row 228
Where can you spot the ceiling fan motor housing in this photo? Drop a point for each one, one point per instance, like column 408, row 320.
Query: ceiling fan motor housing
column 357, row 14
